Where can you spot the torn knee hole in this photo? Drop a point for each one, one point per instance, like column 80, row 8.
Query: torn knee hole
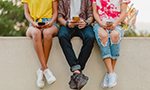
column 115, row 40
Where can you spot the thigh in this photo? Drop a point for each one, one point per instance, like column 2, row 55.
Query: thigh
column 31, row 31
column 100, row 33
column 120, row 30
column 87, row 32
column 65, row 32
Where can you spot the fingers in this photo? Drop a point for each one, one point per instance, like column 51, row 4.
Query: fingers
column 72, row 21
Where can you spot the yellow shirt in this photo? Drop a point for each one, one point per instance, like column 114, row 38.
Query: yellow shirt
column 40, row 8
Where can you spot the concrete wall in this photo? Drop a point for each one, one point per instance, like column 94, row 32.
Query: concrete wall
column 19, row 62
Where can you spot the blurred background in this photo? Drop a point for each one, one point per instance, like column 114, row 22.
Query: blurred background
column 14, row 23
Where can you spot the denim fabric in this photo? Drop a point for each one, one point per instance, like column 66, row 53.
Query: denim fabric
column 44, row 20
column 87, row 35
column 111, row 50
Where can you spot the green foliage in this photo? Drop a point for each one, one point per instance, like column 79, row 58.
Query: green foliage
column 131, row 33
column 12, row 19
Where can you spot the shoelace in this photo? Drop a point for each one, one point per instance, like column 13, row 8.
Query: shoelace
column 78, row 77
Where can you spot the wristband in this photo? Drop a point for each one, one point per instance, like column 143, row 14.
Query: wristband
column 86, row 22
column 67, row 23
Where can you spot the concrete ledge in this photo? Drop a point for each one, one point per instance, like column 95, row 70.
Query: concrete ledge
column 19, row 62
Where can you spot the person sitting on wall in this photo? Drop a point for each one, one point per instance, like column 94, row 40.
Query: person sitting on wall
column 42, row 15
column 75, row 18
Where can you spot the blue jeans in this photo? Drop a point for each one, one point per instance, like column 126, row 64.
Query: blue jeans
column 87, row 35
column 111, row 50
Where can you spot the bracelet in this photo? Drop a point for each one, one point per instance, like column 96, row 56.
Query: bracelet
column 86, row 22
column 67, row 23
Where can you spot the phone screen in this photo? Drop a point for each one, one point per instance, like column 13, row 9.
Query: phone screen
column 41, row 23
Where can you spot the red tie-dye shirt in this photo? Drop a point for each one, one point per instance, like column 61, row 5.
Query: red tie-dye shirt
column 109, row 10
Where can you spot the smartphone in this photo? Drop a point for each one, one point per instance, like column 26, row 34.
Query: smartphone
column 109, row 23
column 76, row 18
column 41, row 23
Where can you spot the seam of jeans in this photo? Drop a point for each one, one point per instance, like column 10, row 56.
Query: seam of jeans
column 71, row 33
column 82, row 34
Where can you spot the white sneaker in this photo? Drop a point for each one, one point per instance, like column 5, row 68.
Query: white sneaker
column 112, row 80
column 49, row 76
column 105, row 81
column 40, row 80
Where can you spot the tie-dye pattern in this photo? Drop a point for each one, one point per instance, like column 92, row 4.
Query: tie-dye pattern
column 109, row 10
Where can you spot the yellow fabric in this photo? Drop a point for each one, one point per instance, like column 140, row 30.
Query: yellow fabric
column 40, row 8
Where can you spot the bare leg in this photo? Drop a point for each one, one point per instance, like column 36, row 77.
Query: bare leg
column 48, row 35
column 113, row 63
column 114, row 39
column 36, row 35
column 108, row 64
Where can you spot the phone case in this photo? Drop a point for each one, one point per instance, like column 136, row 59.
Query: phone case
column 41, row 23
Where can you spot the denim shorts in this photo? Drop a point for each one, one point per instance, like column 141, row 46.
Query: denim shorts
column 111, row 50
column 46, row 19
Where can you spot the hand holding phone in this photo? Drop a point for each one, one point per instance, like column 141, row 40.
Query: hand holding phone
column 76, row 18
column 41, row 23
column 109, row 24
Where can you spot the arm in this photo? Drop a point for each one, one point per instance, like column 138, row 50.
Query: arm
column 82, row 24
column 97, row 17
column 62, row 21
column 61, row 13
column 55, row 13
column 122, row 15
column 28, row 17
column 89, row 12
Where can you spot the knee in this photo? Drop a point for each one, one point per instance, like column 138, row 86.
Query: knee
column 103, row 38
column 115, row 36
column 47, row 35
column 36, row 34
column 103, row 35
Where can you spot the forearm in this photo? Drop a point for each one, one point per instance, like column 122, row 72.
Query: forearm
column 97, row 18
column 96, row 15
column 54, row 17
column 121, row 18
column 55, row 13
column 123, row 13
column 27, row 13
column 62, row 21
column 28, row 17
column 90, row 20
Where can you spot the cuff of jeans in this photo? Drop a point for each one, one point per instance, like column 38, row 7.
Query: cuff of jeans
column 75, row 67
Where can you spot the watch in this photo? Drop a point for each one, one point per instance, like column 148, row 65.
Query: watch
column 67, row 24
column 86, row 22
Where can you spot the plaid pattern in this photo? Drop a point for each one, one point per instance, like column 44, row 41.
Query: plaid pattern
column 64, row 9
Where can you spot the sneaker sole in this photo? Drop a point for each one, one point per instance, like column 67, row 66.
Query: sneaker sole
column 104, row 86
column 51, row 82
column 114, row 84
column 41, row 87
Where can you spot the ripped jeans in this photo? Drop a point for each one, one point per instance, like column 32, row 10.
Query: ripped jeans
column 111, row 50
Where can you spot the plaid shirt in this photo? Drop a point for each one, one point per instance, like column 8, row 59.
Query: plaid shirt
column 64, row 9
